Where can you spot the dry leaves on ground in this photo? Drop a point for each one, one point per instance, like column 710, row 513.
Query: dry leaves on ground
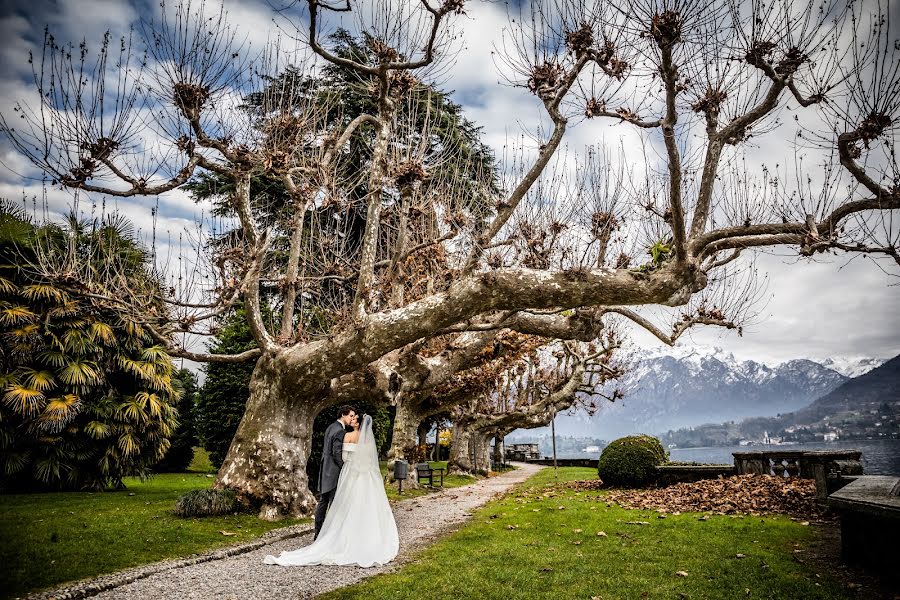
column 739, row 494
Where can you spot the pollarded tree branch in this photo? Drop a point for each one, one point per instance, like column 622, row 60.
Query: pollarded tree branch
column 667, row 31
column 713, row 263
column 789, row 233
column 139, row 187
column 502, row 289
column 206, row 357
column 628, row 117
column 506, row 208
column 702, row 317
column 560, row 396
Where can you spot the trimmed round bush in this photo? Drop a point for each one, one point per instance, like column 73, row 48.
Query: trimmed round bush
column 207, row 503
column 631, row 461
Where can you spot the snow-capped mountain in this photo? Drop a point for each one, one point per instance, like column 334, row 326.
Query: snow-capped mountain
column 852, row 366
column 692, row 386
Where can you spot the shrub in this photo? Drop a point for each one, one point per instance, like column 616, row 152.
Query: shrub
column 86, row 392
column 631, row 461
column 207, row 503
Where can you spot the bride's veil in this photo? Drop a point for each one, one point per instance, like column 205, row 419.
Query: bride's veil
column 366, row 457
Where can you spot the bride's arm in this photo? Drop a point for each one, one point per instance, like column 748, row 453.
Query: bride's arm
column 351, row 437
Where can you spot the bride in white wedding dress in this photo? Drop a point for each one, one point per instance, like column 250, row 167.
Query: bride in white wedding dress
column 359, row 528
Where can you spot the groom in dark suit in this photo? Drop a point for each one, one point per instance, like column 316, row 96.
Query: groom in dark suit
column 332, row 461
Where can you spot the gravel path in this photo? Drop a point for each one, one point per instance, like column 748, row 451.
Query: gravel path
column 245, row 577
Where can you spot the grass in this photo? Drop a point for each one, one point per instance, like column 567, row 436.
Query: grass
column 450, row 481
column 52, row 538
column 540, row 541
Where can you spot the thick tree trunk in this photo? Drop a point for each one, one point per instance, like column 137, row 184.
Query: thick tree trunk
column 460, row 450
column 266, row 463
column 470, row 452
column 499, row 447
column 481, row 447
column 422, row 433
column 406, row 423
column 436, row 449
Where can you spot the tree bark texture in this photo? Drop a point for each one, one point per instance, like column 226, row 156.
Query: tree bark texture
column 266, row 462
column 406, row 424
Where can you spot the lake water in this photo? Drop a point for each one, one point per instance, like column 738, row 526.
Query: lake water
column 879, row 457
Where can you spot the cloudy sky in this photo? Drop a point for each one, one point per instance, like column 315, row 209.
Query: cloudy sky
column 828, row 307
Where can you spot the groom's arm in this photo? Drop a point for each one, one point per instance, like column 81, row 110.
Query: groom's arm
column 337, row 443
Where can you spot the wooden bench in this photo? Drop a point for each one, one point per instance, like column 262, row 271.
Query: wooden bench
column 424, row 471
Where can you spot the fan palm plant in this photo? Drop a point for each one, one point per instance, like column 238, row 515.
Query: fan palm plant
column 86, row 394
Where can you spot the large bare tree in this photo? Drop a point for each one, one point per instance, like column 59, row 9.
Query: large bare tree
column 547, row 254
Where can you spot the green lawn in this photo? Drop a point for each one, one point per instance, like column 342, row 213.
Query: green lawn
column 52, row 538
column 450, row 481
column 540, row 541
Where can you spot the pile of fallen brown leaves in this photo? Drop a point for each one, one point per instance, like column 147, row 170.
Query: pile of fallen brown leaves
column 739, row 494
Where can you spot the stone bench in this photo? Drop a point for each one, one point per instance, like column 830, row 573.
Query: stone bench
column 869, row 507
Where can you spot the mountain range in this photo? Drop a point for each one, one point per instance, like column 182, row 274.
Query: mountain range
column 686, row 388
column 873, row 392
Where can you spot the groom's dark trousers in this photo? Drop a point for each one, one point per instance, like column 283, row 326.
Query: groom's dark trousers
column 330, row 470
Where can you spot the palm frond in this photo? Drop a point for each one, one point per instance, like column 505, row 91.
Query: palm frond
column 7, row 286
column 62, row 408
column 43, row 291
column 133, row 329
column 134, row 409
column 102, row 332
column 14, row 462
column 39, row 380
column 54, row 358
column 78, row 342
column 155, row 354
column 47, row 469
column 82, row 373
column 22, row 334
column 8, row 379
column 142, row 369
column 129, row 444
column 154, row 403
column 66, row 309
column 97, row 430
column 11, row 314
column 26, row 402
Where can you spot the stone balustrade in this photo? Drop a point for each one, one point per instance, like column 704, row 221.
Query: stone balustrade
column 808, row 464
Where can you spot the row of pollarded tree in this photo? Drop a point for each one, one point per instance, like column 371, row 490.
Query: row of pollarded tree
column 389, row 252
column 522, row 383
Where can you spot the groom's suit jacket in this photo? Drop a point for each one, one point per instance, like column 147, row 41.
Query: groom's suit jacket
column 331, row 457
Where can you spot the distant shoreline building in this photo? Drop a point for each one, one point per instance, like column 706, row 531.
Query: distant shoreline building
column 523, row 452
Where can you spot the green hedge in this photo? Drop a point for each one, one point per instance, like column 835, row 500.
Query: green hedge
column 631, row 461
